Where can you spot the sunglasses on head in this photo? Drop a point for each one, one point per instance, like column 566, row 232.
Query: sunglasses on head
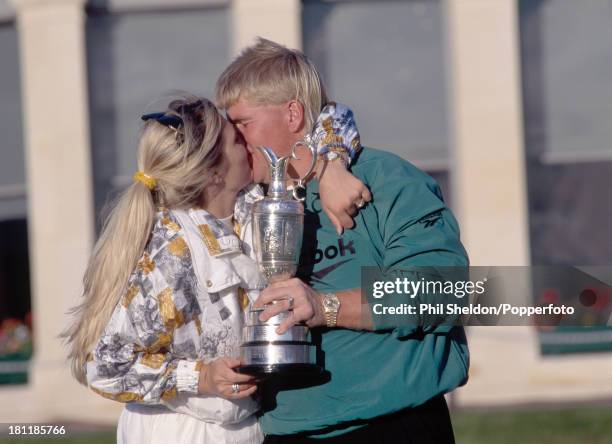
column 168, row 120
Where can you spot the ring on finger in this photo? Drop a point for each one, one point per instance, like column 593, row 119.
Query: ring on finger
column 291, row 301
column 360, row 204
column 235, row 388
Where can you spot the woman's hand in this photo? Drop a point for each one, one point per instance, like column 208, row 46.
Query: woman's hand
column 219, row 379
column 304, row 303
column 342, row 195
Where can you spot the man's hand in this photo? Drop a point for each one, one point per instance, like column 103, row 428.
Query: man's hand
column 342, row 194
column 307, row 304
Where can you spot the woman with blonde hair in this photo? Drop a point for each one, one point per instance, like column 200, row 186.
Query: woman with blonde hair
column 168, row 282
column 166, row 285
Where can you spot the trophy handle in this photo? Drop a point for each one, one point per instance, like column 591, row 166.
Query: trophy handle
column 299, row 191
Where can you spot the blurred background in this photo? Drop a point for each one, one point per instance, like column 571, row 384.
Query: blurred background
column 507, row 103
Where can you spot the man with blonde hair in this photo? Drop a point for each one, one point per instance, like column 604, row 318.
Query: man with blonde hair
column 385, row 379
column 270, row 82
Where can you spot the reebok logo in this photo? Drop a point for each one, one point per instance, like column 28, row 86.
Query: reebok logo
column 320, row 275
column 431, row 219
column 332, row 251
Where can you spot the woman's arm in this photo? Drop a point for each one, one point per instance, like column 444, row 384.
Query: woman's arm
column 337, row 141
column 147, row 351
column 133, row 360
column 342, row 194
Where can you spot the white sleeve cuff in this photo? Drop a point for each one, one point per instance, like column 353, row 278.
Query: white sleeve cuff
column 188, row 376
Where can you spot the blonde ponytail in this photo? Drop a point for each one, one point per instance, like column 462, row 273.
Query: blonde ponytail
column 115, row 255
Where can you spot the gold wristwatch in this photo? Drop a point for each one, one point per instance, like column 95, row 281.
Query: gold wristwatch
column 331, row 305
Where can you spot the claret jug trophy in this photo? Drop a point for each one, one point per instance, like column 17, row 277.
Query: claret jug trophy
column 278, row 227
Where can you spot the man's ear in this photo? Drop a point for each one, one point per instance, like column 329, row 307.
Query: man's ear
column 295, row 116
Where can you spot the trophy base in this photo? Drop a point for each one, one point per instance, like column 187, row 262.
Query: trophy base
column 264, row 370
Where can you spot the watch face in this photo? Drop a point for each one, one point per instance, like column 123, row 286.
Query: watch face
column 331, row 302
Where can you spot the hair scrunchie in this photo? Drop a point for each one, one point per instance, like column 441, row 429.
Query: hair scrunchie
column 145, row 179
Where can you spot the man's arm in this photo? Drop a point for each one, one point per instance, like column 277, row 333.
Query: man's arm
column 417, row 230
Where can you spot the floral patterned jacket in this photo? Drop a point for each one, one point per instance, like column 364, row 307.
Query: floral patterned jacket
column 183, row 307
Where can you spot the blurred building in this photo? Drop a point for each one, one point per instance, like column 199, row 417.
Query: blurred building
column 506, row 103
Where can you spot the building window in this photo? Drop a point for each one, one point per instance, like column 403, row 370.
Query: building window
column 15, row 313
column 385, row 59
column 567, row 110
column 15, row 310
column 566, row 72
column 136, row 56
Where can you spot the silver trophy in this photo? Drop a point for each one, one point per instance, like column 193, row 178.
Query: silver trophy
column 278, row 227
